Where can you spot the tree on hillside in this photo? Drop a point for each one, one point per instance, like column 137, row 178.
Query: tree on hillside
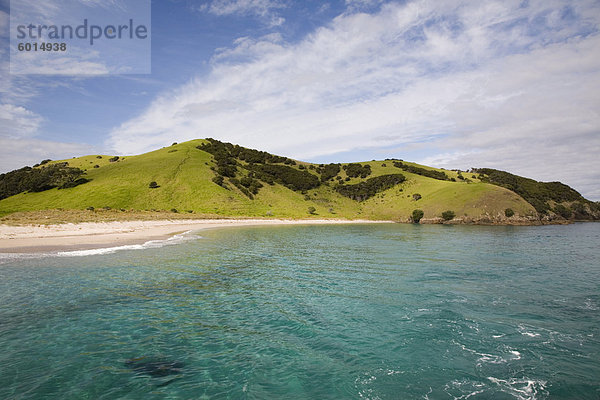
column 448, row 215
column 370, row 187
column 562, row 211
column 417, row 215
column 355, row 170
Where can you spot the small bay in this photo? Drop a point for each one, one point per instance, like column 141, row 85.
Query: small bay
column 374, row 311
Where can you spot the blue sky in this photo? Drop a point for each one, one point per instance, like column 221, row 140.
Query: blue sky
column 506, row 84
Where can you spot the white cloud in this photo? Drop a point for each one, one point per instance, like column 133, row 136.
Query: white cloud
column 495, row 83
column 85, row 63
column 106, row 4
column 243, row 7
column 17, row 121
column 265, row 9
column 358, row 5
column 17, row 153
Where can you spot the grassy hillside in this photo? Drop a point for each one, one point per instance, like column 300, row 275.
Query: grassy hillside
column 211, row 178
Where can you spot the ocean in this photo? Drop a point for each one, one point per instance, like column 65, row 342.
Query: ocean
column 374, row 311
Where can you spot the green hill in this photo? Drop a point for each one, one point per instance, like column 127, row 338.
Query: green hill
column 208, row 177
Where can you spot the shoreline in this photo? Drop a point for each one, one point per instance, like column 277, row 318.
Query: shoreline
column 99, row 235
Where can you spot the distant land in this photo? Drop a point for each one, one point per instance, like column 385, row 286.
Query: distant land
column 209, row 178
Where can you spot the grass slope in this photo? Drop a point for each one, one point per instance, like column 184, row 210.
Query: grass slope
column 184, row 176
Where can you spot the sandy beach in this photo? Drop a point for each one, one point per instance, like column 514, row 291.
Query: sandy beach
column 94, row 235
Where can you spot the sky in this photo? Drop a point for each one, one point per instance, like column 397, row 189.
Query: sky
column 512, row 85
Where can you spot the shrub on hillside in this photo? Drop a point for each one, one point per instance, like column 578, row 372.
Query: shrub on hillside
column 246, row 181
column 29, row 179
column 226, row 169
column 370, row 187
column 291, row 178
column 509, row 212
column 241, row 187
column 329, row 171
column 417, row 215
column 226, row 163
column 311, row 210
column 113, row 159
column 73, row 183
column 355, row 170
column 579, row 210
column 535, row 193
column 448, row 215
column 562, row 211
column 153, row 185
column 251, row 184
column 218, row 180
column 421, row 171
column 416, row 197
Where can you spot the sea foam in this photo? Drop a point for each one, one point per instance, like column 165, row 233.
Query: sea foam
column 151, row 244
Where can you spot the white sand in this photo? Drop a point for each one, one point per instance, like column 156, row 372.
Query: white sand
column 91, row 235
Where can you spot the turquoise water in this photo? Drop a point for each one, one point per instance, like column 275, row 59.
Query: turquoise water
column 311, row 312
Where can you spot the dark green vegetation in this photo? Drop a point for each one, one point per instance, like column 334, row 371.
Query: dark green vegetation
column 370, row 187
column 355, row 170
column 258, row 165
column 43, row 162
column 509, row 212
column 417, row 215
column 29, row 179
column 329, row 171
column 448, row 215
column 563, row 211
column 422, row 171
column 217, row 179
column 289, row 177
column 541, row 195
column 221, row 150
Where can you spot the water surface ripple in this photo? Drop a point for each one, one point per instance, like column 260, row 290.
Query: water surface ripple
column 311, row 312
